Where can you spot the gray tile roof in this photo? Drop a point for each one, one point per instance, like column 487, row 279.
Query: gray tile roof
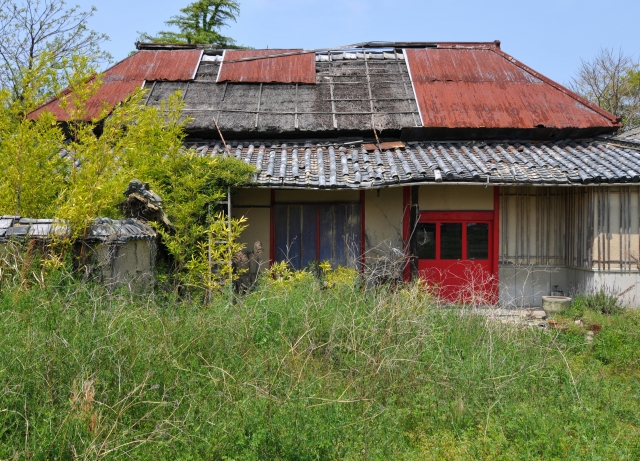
column 103, row 229
column 354, row 165
column 632, row 136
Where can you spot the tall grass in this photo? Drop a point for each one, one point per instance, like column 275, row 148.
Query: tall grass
column 294, row 371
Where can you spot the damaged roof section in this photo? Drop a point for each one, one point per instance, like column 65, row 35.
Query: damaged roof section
column 360, row 165
column 410, row 91
column 274, row 66
column 353, row 92
column 119, row 81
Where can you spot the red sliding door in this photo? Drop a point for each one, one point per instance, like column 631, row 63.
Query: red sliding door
column 455, row 252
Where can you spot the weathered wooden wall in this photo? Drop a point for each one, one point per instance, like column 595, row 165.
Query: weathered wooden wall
column 581, row 227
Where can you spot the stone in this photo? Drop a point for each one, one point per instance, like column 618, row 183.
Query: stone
column 537, row 314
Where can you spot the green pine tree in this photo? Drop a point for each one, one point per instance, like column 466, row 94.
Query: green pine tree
column 200, row 22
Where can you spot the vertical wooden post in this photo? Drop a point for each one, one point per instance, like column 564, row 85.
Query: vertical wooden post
column 362, row 232
column 272, row 228
column 406, row 231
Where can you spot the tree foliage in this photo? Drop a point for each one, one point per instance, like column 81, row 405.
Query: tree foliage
column 40, row 35
column 200, row 22
column 612, row 81
column 76, row 176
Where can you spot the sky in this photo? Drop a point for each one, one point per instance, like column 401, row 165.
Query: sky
column 551, row 36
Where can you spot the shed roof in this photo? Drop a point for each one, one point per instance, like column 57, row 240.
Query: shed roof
column 103, row 230
column 343, row 164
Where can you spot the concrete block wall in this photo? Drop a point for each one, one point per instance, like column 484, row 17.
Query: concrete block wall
column 524, row 286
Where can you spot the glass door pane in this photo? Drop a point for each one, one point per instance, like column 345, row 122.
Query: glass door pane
column 426, row 240
column 477, row 240
column 450, row 240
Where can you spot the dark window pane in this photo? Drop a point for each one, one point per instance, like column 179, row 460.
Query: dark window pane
column 326, row 234
column 450, row 240
column 339, row 244
column 294, row 236
column 477, row 240
column 309, row 234
column 353, row 235
column 282, row 212
column 426, row 240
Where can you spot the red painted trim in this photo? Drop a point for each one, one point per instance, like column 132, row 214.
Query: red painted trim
column 362, row 231
column 406, row 232
column 464, row 241
column 430, row 216
column 280, row 202
column 318, row 234
column 272, row 229
column 496, row 230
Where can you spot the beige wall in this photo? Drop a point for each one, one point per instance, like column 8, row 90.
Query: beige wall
column 317, row 196
column 252, row 197
column 455, row 197
column 258, row 228
column 383, row 219
column 383, row 208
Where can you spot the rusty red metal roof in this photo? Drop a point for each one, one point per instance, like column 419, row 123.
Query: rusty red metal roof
column 296, row 68
column 119, row 81
column 479, row 86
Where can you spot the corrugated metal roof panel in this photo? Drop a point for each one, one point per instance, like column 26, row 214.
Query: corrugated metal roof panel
column 483, row 87
column 125, row 77
column 298, row 68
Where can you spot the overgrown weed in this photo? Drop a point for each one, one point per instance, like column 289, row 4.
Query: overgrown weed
column 302, row 369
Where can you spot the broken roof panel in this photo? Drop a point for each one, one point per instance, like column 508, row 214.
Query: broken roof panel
column 340, row 101
column 482, row 87
column 294, row 67
column 119, row 81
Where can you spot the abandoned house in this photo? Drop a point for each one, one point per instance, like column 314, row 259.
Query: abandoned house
column 475, row 171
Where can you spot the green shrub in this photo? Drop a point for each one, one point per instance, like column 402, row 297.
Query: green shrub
column 602, row 300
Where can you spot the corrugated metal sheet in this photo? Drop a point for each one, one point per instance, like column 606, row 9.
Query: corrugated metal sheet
column 299, row 68
column 476, row 87
column 125, row 77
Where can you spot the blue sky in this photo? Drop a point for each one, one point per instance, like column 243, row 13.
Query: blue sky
column 550, row 36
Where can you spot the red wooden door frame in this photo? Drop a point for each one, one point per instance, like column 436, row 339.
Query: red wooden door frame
column 406, row 231
column 492, row 217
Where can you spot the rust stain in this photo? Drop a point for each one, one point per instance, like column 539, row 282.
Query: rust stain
column 484, row 87
column 385, row 145
column 299, row 68
column 119, row 81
